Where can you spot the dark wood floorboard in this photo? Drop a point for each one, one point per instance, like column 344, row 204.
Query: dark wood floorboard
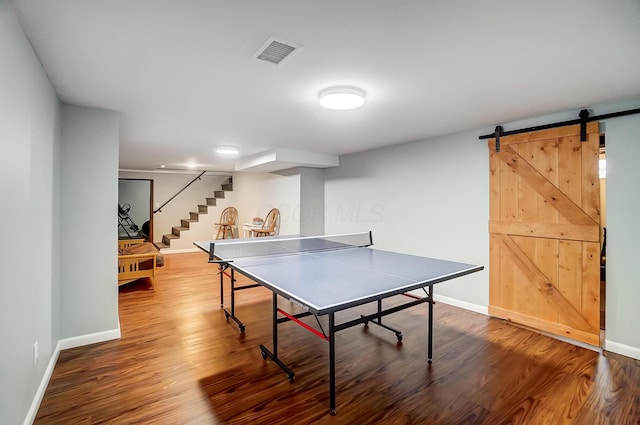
column 180, row 362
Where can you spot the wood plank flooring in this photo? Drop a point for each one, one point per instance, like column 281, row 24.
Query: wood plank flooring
column 180, row 362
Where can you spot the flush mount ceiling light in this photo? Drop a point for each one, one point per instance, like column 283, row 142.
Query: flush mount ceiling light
column 342, row 98
column 227, row 150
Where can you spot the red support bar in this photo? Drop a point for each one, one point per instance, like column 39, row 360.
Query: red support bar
column 304, row 325
column 226, row 273
column 412, row 296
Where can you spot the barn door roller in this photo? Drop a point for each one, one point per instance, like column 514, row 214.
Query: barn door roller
column 583, row 119
column 584, row 116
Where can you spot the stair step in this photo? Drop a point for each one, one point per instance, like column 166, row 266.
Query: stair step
column 161, row 245
column 194, row 217
column 185, row 222
column 166, row 239
column 177, row 229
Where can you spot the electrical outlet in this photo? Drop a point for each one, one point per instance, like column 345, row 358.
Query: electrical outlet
column 35, row 353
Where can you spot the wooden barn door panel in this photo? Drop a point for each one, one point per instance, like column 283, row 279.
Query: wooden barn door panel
column 545, row 231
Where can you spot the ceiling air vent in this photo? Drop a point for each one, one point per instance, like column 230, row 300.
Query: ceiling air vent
column 276, row 50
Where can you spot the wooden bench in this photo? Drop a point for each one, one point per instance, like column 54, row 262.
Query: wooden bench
column 137, row 259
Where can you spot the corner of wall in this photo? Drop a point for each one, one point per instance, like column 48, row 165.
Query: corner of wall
column 622, row 349
column 63, row 345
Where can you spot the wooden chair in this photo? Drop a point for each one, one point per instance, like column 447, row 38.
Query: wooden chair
column 227, row 221
column 271, row 226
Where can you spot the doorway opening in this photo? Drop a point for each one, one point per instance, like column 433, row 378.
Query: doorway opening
column 135, row 208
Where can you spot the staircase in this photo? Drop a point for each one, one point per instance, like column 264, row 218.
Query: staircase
column 194, row 216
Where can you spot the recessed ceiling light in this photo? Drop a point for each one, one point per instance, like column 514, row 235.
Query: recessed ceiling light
column 227, row 150
column 342, row 98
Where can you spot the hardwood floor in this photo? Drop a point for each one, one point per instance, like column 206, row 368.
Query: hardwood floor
column 180, row 362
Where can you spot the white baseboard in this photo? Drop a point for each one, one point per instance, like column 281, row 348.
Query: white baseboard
column 614, row 347
column 81, row 340
column 622, row 349
column 179, row 251
column 37, row 399
column 63, row 344
column 462, row 304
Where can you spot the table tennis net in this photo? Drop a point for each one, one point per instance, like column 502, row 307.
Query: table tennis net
column 273, row 247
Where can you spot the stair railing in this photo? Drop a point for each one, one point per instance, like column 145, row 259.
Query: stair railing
column 179, row 192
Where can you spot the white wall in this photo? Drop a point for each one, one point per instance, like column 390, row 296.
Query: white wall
column 623, row 235
column 312, row 201
column 426, row 198
column 29, row 184
column 297, row 193
column 431, row 198
column 88, row 227
column 257, row 193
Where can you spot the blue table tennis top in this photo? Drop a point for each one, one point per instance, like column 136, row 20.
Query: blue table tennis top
column 326, row 281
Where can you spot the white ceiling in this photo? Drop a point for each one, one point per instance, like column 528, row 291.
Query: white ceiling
column 183, row 75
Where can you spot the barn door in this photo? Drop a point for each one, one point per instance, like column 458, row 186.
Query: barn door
column 545, row 231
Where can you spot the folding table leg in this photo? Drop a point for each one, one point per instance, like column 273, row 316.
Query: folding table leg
column 221, row 270
column 332, row 365
column 274, row 355
column 232, row 314
column 377, row 320
column 430, row 349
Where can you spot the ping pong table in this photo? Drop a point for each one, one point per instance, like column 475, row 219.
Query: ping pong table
column 322, row 275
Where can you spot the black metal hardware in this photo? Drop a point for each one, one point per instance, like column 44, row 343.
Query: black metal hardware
column 274, row 355
column 180, row 191
column 562, row 123
column 232, row 314
column 333, row 328
column 584, row 115
column 320, row 325
column 498, row 133
column 376, row 319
